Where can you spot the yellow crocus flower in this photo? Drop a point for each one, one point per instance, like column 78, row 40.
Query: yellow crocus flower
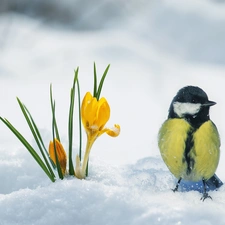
column 62, row 158
column 95, row 114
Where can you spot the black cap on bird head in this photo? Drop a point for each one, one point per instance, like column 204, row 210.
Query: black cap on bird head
column 192, row 104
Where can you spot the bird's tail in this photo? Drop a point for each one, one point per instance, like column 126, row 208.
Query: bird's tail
column 214, row 182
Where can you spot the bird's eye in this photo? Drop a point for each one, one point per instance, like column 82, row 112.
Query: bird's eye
column 193, row 100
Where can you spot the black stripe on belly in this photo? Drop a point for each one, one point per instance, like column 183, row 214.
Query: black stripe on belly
column 188, row 146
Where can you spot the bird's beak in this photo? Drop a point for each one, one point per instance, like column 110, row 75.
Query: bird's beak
column 209, row 103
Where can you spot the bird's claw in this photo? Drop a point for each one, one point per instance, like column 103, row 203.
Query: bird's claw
column 205, row 196
column 175, row 189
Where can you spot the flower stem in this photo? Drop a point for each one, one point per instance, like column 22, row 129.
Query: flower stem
column 86, row 155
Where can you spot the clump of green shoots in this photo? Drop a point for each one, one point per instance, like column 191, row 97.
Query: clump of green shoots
column 93, row 113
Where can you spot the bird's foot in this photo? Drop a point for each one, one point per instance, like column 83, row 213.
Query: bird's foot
column 205, row 196
column 175, row 189
column 178, row 183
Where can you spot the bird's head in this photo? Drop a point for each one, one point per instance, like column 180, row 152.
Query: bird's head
column 192, row 104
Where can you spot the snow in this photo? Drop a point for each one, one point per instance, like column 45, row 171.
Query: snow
column 154, row 48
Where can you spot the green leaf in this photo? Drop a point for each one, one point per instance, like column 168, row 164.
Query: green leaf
column 36, row 134
column 70, row 122
column 87, row 168
column 101, row 82
column 53, row 136
column 95, row 82
column 53, row 106
column 80, row 130
column 29, row 148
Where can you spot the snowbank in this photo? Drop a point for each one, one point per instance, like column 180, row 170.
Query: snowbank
column 156, row 48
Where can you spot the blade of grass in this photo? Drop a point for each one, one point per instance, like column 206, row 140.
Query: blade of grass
column 29, row 122
column 70, row 122
column 54, row 143
column 87, row 168
column 70, row 134
column 36, row 129
column 95, row 81
column 52, row 106
column 101, row 82
column 80, row 131
column 39, row 140
column 29, row 148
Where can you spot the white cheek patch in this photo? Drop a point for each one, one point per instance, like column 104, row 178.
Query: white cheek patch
column 182, row 108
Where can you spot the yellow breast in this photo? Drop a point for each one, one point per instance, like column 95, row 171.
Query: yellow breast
column 205, row 152
column 171, row 141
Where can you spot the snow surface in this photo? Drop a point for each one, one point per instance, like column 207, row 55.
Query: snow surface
column 154, row 48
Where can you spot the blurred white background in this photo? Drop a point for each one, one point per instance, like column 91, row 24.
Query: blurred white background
column 154, row 47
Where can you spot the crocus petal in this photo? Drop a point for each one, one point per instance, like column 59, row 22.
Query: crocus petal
column 88, row 97
column 84, row 113
column 95, row 114
column 60, row 153
column 88, row 110
column 115, row 131
column 103, row 113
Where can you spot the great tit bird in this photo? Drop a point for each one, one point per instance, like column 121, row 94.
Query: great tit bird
column 188, row 140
